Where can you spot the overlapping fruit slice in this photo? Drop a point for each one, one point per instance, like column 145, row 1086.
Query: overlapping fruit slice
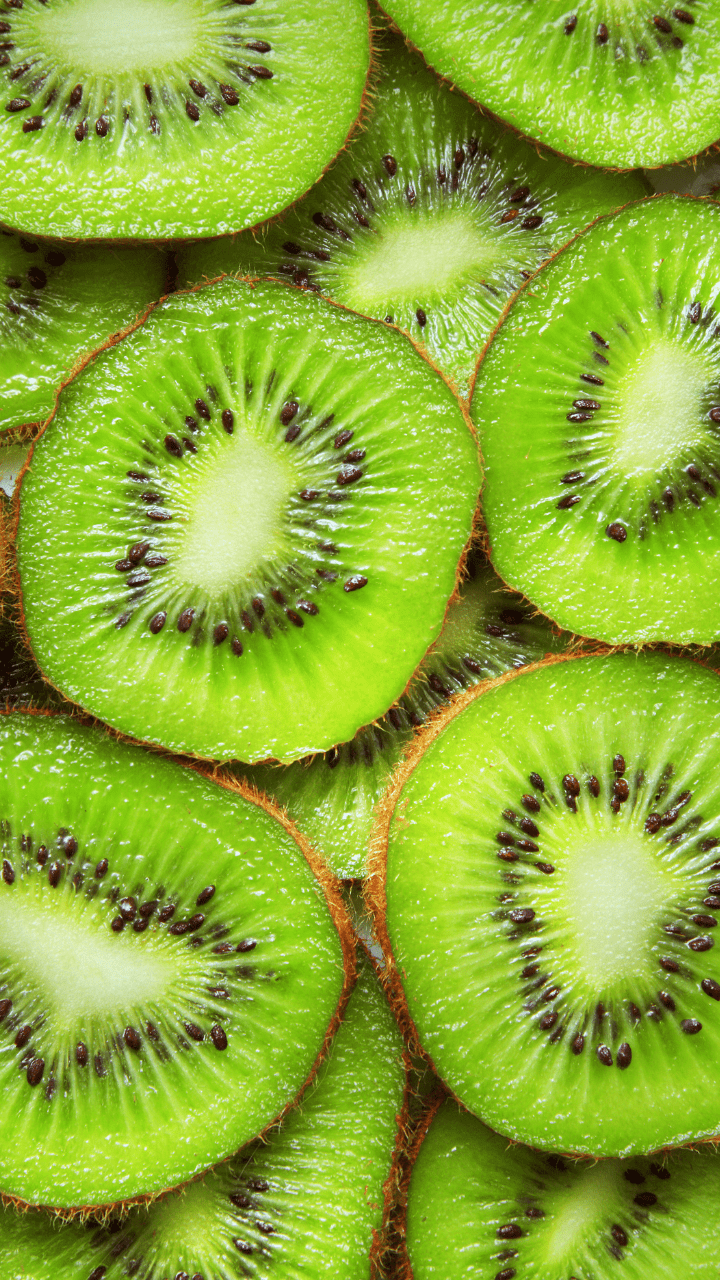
column 548, row 881
column 239, row 534
column 169, row 967
column 599, row 414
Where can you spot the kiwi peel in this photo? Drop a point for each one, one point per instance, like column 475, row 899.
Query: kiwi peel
column 579, row 801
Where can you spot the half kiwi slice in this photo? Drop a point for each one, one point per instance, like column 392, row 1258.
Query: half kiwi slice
column 480, row 1207
column 615, row 85
column 57, row 301
column 169, row 966
column 546, row 881
column 306, row 1201
column 252, row 509
column 430, row 219
column 333, row 796
column 600, row 422
column 152, row 120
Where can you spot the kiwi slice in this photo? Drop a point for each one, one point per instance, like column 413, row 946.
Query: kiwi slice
column 430, row 219
column 333, row 796
column 57, row 302
column 616, row 85
column 546, row 881
column 306, row 1201
column 252, row 508
column 600, row 425
column 152, row 120
column 169, row 966
column 480, row 1207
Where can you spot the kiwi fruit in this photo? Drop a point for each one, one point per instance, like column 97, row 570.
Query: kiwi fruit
column 148, row 962
column 152, row 121
column 57, row 302
column 602, row 449
column 545, row 879
column 614, row 85
column 333, row 796
column 430, row 219
column 306, row 1201
column 478, row 1206
column 253, row 508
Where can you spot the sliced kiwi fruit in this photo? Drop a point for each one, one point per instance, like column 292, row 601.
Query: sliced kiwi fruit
column 253, row 509
column 152, row 120
column 546, row 882
column 58, row 302
column 333, row 796
column 169, row 966
column 306, row 1201
column 615, row 85
column 478, row 1206
column 430, row 219
column 599, row 412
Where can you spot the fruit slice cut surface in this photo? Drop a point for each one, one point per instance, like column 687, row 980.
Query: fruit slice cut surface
column 600, row 428
column 57, row 301
column 552, row 887
column 168, row 967
column 264, row 502
column 305, row 1202
column 620, row 85
column 479, row 1206
column 431, row 218
column 158, row 120
column 332, row 797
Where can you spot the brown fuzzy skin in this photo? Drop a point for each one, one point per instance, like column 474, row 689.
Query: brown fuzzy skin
column 433, row 1105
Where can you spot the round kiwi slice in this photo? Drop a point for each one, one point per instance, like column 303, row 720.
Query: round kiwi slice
column 480, row 1207
column 253, row 508
column 57, row 301
column 430, row 219
column 600, row 428
column 615, row 85
column 152, row 120
column 546, row 880
column 306, row 1201
column 169, row 966
column 333, row 796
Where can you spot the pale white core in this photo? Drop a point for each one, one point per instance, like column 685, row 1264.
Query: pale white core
column 613, row 893
column 235, row 514
column 78, row 971
column 121, row 35
column 593, row 1193
column 660, row 411
column 420, row 257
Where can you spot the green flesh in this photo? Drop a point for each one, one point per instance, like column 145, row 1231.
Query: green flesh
column 627, row 95
column 333, row 797
column 469, row 1189
column 194, row 117
column 56, row 303
column 616, row 925
column 310, row 1196
column 147, row 1109
column 643, row 465
column 427, row 239
column 325, row 561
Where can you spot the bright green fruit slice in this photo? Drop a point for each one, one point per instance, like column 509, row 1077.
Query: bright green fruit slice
column 620, row 85
column 599, row 415
column 307, row 1201
column 168, row 967
column 332, row 797
column 480, row 1207
column 552, row 893
column 252, row 509
column 152, row 119
column 57, row 301
column 431, row 218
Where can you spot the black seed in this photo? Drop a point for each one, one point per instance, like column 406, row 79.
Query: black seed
column 31, row 125
column 194, row 1031
column 191, row 111
column 570, row 500
column 617, row 532
column 218, row 1037
column 522, row 916
column 5, row 1007
column 701, row 944
column 309, row 495
column 221, row 632
column 348, row 475
column 167, row 912
column 593, row 379
column 547, row 868
column 691, row 1026
column 157, row 622
column 709, row 986
column 187, row 926
column 101, row 127
column 288, row 411
column 529, row 801
column 36, row 1071
column 548, row 1021
column 117, row 925
column 571, row 785
column 355, row 582
column 621, row 790
column 646, row 1199
column 243, row 1247
column 173, row 446
column 389, row 161
column 205, row 895
column 578, row 1044
column 236, row 647
column 81, row 1054
column 670, row 965
column 263, row 73
column 572, row 477
column 185, row 620
column 604, row 1055
column 308, row 607
column 22, row 1037
column 131, row 1038
column 230, row 95
column 682, row 15
column 653, row 823
column 624, row 1056
column 579, row 417
column 54, row 873
column 602, row 35
column 18, row 104
column 202, row 409
column 7, row 872
column 505, row 838
column 619, row 1235
column 507, row 1274
column 127, row 908
column 534, row 1213
column 705, row 922
column 527, row 846
column 421, row 317
column 511, row 1231
column 247, row 944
